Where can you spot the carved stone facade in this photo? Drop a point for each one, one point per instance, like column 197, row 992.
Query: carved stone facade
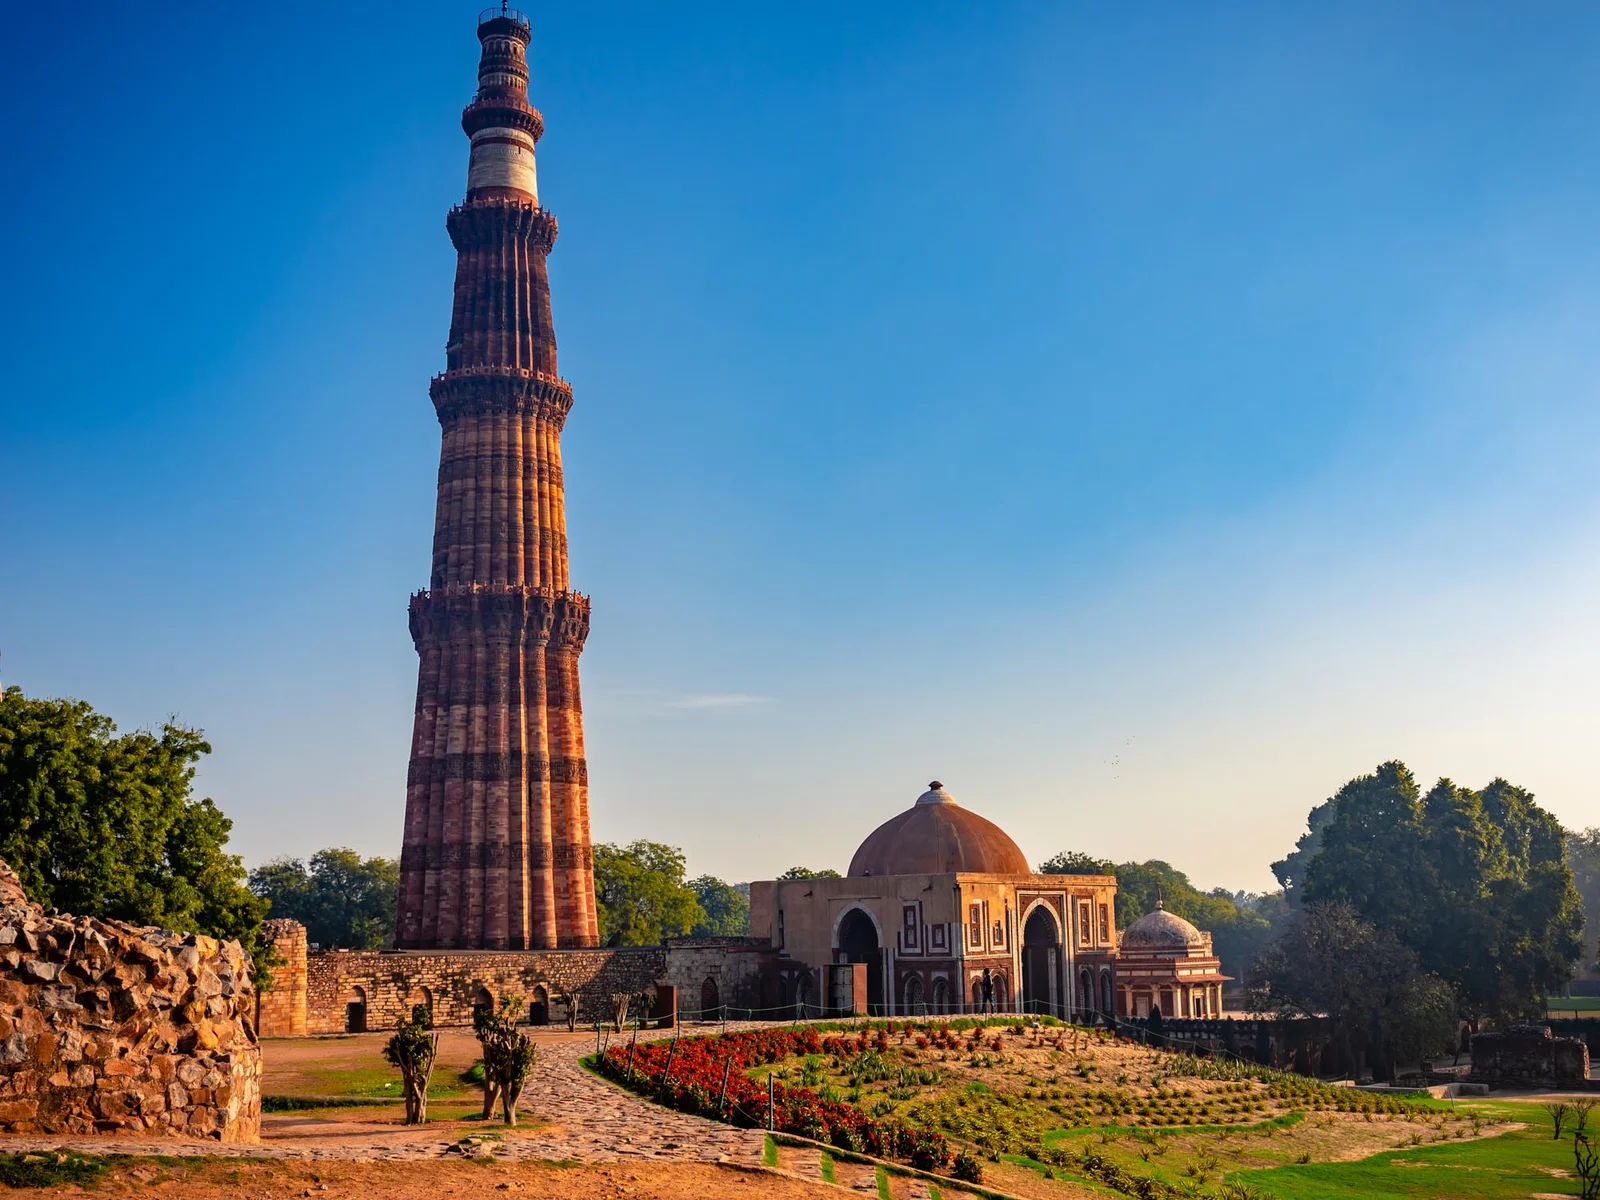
column 112, row 1028
column 496, row 852
column 941, row 908
column 928, row 939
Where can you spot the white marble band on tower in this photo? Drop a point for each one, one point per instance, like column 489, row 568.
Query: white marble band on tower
column 502, row 158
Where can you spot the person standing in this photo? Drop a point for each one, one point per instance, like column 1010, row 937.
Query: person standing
column 986, row 990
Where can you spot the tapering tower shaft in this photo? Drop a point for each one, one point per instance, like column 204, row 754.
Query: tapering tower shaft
column 496, row 851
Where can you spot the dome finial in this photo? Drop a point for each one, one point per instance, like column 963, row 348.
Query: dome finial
column 1161, row 905
column 935, row 786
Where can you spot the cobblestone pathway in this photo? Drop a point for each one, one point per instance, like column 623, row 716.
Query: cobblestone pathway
column 593, row 1121
column 585, row 1119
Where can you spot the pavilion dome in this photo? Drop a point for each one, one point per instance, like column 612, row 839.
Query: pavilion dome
column 1161, row 930
column 936, row 836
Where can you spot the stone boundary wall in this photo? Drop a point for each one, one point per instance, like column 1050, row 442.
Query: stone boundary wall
column 1587, row 1029
column 113, row 1028
column 281, row 1007
column 340, row 990
column 383, row 986
column 741, row 973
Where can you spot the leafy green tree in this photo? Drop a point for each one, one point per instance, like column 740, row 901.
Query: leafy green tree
column 1476, row 883
column 642, row 895
column 508, row 1056
column 1327, row 961
column 103, row 824
column 1075, row 862
column 726, row 912
column 344, row 901
column 1583, row 856
column 413, row 1049
column 808, row 873
column 1291, row 868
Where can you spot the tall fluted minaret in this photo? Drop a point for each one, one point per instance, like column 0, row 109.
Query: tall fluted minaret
column 496, row 853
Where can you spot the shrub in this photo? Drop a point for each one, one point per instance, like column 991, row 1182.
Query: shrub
column 966, row 1167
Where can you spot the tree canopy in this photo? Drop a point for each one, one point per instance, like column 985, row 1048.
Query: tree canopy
column 1291, row 868
column 808, row 873
column 344, row 901
column 642, row 895
column 725, row 911
column 1475, row 883
column 1583, row 856
column 102, row 824
column 1239, row 924
column 1075, row 862
column 1327, row 961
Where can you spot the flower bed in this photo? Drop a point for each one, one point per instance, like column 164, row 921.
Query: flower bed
column 707, row 1076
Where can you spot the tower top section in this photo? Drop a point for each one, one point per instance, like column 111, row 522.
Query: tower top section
column 513, row 17
column 502, row 124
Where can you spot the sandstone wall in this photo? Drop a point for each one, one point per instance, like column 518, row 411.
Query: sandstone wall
column 712, row 974
column 343, row 991
column 281, row 1008
column 111, row 1028
column 383, row 986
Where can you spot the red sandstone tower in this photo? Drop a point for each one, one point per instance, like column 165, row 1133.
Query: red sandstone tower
column 496, row 853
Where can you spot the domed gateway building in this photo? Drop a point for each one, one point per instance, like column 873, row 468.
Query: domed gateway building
column 936, row 897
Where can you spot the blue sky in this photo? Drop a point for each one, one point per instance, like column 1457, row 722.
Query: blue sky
column 1142, row 419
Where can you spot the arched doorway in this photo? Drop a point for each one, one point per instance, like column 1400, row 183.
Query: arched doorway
column 858, row 943
column 482, row 1001
column 710, row 1001
column 420, row 998
column 911, row 1001
column 1085, row 994
column 1039, row 956
column 1107, row 1006
column 539, row 1006
column 802, row 994
column 355, row 1012
column 941, row 996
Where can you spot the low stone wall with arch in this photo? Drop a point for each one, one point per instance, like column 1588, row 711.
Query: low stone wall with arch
column 343, row 991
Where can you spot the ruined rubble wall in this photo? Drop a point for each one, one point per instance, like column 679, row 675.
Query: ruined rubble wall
column 1529, row 1056
column 111, row 1028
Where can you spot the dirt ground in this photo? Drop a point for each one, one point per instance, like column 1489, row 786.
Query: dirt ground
column 215, row 1179
column 329, row 1066
column 352, row 1065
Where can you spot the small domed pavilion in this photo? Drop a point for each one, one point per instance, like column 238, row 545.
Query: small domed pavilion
column 1164, row 962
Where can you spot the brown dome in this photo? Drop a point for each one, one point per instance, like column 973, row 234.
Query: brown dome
column 936, row 836
column 1161, row 930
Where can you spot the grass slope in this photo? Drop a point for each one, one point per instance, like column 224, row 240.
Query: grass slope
column 1521, row 1163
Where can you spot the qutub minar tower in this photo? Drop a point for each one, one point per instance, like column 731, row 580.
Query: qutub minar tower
column 496, row 851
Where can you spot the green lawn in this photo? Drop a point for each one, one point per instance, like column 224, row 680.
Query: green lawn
column 1516, row 1164
column 378, row 1083
column 1573, row 1006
